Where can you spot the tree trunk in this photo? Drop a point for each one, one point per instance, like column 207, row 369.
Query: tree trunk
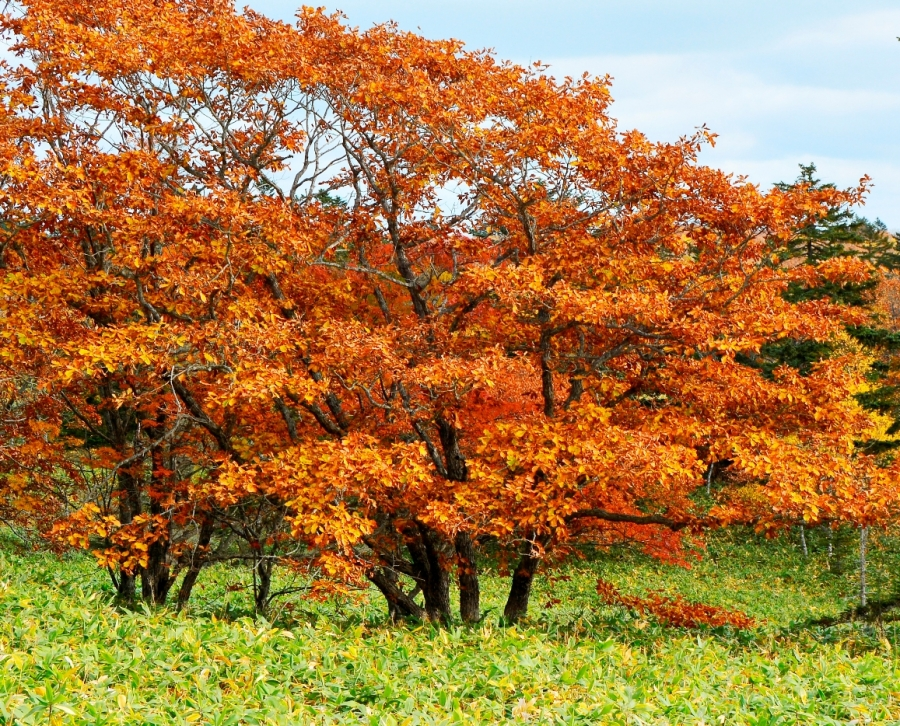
column 803, row 541
column 126, row 588
column 432, row 574
column 262, row 584
column 863, row 541
column 156, row 577
column 520, row 590
column 155, row 580
column 198, row 559
column 437, row 598
column 400, row 605
column 467, row 569
column 129, row 508
column 395, row 612
column 386, row 543
column 467, row 574
column 437, row 586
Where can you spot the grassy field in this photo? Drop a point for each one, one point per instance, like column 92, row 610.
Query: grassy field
column 68, row 656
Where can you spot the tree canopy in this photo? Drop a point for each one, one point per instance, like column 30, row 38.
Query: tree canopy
column 364, row 303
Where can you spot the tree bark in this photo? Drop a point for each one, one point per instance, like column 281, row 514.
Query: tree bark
column 455, row 462
column 863, row 541
column 198, row 560
column 467, row 575
column 437, row 586
column 520, row 590
column 262, row 584
column 156, row 577
column 126, row 587
column 431, row 572
column 395, row 613
column 400, row 605
column 129, row 508
column 386, row 543
column 466, row 565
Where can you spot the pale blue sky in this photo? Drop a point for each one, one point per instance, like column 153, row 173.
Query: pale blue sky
column 780, row 82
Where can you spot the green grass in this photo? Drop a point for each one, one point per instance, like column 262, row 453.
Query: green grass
column 68, row 656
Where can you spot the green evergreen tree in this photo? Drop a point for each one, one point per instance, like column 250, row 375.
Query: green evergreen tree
column 842, row 233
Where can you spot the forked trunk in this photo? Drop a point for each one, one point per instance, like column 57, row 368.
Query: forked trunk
column 400, row 604
column 431, row 570
column 467, row 574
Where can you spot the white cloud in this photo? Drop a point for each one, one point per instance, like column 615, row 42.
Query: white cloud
column 771, row 109
column 860, row 29
column 674, row 93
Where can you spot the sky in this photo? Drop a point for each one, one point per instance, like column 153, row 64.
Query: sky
column 781, row 82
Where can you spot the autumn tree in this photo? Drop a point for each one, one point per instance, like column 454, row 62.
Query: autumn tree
column 360, row 301
column 120, row 296
column 842, row 233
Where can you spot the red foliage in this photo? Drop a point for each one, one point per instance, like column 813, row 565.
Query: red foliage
column 676, row 610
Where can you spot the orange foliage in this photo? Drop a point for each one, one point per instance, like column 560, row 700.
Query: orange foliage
column 675, row 610
column 362, row 300
column 888, row 299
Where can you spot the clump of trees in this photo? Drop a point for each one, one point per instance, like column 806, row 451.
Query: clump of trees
column 362, row 302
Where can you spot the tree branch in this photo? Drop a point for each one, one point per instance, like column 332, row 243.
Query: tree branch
column 603, row 514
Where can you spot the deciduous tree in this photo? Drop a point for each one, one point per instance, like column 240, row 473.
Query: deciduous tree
column 363, row 300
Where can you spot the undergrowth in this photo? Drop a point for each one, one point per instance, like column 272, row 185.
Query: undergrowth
column 68, row 655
